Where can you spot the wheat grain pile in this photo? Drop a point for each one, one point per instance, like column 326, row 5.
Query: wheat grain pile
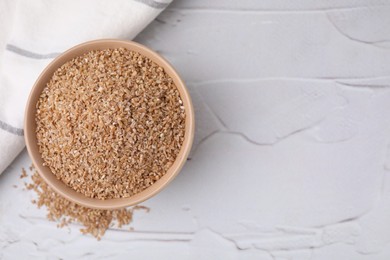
column 110, row 123
column 60, row 210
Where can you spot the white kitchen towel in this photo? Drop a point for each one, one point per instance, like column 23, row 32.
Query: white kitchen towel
column 34, row 32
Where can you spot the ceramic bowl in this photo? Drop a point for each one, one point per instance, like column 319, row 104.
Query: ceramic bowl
column 30, row 126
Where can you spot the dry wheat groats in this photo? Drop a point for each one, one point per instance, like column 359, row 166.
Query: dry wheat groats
column 64, row 212
column 110, row 123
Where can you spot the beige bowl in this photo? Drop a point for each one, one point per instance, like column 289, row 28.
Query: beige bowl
column 30, row 126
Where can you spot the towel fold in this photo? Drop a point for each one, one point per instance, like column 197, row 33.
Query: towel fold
column 35, row 32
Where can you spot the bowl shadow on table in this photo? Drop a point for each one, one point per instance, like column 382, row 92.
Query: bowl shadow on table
column 207, row 123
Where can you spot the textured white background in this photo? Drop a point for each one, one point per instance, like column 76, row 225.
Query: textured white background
column 290, row 159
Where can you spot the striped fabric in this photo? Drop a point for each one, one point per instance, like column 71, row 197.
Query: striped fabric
column 35, row 32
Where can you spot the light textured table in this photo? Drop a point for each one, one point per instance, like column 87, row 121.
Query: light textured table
column 291, row 153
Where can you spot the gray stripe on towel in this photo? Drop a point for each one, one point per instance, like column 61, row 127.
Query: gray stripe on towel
column 10, row 129
column 30, row 54
column 154, row 4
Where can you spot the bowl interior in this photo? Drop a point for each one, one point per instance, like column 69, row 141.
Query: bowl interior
column 30, row 126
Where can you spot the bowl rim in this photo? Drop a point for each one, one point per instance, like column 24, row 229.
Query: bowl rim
column 66, row 191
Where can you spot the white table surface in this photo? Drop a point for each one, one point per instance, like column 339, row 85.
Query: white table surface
column 291, row 157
